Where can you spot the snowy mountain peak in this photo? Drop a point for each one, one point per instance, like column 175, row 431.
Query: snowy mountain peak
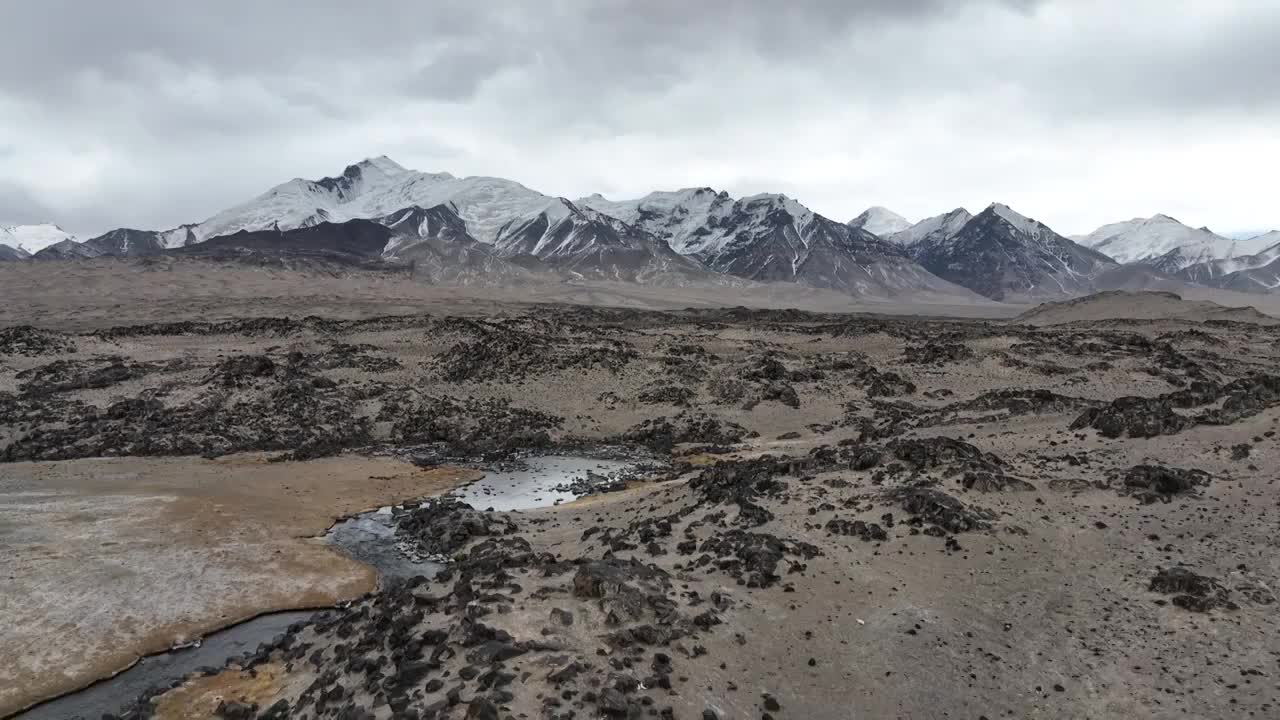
column 33, row 238
column 1014, row 218
column 1000, row 254
column 1163, row 238
column 780, row 201
column 689, row 219
column 383, row 164
column 938, row 226
column 375, row 187
column 880, row 221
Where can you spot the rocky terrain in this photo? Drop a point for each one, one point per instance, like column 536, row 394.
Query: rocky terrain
column 858, row 515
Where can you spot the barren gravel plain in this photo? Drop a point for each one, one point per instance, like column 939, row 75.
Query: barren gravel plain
column 843, row 514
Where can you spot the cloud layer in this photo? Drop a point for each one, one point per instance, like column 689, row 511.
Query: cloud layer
column 148, row 113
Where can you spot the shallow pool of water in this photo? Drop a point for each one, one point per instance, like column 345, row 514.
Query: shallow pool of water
column 538, row 482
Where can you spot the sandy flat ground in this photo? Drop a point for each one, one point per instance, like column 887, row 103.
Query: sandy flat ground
column 109, row 559
column 99, row 293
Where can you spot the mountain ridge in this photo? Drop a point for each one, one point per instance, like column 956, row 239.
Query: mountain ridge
column 1001, row 254
column 1163, row 238
column 31, row 239
column 695, row 234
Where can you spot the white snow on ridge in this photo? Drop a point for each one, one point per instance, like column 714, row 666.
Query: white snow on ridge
column 1265, row 240
column 946, row 224
column 701, row 221
column 880, row 221
column 379, row 186
column 1020, row 222
column 675, row 216
column 1143, row 239
column 33, row 238
column 1261, row 258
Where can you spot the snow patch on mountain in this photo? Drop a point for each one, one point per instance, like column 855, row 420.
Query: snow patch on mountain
column 880, row 221
column 31, row 239
column 944, row 225
column 376, row 187
column 1002, row 254
column 701, row 221
column 1158, row 237
column 1020, row 222
column 1210, row 272
column 687, row 219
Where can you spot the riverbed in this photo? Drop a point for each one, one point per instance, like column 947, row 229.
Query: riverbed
column 367, row 537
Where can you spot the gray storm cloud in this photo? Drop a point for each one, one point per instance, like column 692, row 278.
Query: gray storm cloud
column 150, row 113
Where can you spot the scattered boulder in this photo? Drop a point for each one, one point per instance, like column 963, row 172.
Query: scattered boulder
column 1136, row 417
column 1197, row 593
column 29, row 341
column 936, row 353
column 663, row 433
column 1152, row 483
column 442, row 527
column 931, row 505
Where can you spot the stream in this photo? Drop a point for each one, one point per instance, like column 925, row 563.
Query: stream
column 369, row 538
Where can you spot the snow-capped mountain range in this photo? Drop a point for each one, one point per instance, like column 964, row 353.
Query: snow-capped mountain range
column 773, row 238
column 449, row 227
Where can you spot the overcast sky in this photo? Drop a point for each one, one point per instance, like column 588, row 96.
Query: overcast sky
column 149, row 113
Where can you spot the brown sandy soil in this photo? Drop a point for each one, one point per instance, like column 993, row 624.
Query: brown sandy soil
column 112, row 558
column 1110, row 306
column 201, row 698
column 1048, row 615
column 98, row 293
column 1052, row 590
column 908, row 628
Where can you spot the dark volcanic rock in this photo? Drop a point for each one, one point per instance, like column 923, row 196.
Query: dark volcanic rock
column 752, row 558
column 467, row 428
column 1004, row 403
column 242, row 370
column 934, row 506
column 688, row 427
column 29, row 341
column 1148, row 417
column 66, row 375
column 1150, row 483
column 743, row 482
column 284, row 411
column 626, row 589
column 665, row 393
column 936, row 353
column 441, row 527
column 1137, row 417
column 1197, row 593
column 857, row 528
column 975, row 469
column 508, row 353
